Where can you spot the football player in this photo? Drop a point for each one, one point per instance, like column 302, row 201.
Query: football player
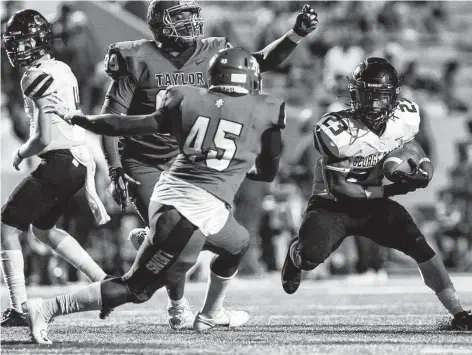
column 141, row 71
column 224, row 133
column 66, row 165
column 348, row 197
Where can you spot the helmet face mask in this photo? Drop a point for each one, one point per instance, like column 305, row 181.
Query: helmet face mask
column 374, row 89
column 27, row 38
column 234, row 70
column 176, row 22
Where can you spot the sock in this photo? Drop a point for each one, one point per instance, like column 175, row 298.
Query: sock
column 69, row 249
column 176, row 290
column 450, row 300
column 215, row 295
column 88, row 298
column 176, row 303
column 436, row 277
column 14, row 275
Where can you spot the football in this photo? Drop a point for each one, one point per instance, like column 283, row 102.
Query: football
column 398, row 160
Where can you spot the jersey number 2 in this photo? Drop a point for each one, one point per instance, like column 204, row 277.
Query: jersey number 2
column 196, row 136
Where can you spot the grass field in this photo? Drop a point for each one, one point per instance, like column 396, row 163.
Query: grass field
column 325, row 317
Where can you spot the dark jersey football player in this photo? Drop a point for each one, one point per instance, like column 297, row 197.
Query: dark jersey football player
column 348, row 196
column 141, row 71
column 224, row 133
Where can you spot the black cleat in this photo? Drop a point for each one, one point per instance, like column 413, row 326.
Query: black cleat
column 106, row 311
column 12, row 318
column 291, row 275
column 462, row 321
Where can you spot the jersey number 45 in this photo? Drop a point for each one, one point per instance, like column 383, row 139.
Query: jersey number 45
column 220, row 155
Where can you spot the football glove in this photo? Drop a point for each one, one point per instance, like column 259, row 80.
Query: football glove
column 306, row 22
column 119, row 186
column 417, row 178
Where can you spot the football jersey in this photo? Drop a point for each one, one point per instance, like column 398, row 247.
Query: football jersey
column 339, row 136
column 150, row 70
column 41, row 80
column 219, row 137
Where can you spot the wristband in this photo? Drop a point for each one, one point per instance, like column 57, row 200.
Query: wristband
column 293, row 36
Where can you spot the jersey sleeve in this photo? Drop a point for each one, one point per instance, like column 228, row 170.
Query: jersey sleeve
column 328, row 136
column 124, row 67
column 36, row 84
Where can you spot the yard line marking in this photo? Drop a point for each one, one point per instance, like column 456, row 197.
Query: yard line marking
column 444, row 351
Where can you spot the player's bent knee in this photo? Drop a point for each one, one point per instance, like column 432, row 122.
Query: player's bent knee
column 311, row 256
column 419, row 250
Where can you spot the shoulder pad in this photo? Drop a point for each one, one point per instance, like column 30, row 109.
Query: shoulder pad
column 409, row 112
column 215, row 42
column 277, row 112
column 35, row 83
column 121, row 59
column 330, row 134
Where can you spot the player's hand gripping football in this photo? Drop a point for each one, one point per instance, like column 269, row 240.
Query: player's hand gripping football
column 417, row 178
column 306, row 22
column 119, row 187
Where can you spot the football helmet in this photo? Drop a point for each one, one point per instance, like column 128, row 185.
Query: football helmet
column 175, row 22
column 374, row 87
column 27, row 37
column 234, row 70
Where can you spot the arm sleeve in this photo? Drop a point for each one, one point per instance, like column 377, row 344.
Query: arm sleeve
column 36, row 84
column 117, row 101
column 275, row 53
column 267, row 161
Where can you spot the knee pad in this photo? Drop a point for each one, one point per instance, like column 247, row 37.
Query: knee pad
column 419, row 250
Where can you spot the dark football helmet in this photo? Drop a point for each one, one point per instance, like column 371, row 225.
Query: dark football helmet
column 175, row 22
column 27, row 37
column 234, row 70
column 374, row 86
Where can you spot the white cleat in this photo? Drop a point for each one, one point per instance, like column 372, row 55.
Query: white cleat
column 180, row 317
column 38, row 323
column 137, row 236
column 225, row 318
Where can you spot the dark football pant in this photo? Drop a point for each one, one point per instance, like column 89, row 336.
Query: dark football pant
column 171, row 249
column 42, row 197
column 327, row 223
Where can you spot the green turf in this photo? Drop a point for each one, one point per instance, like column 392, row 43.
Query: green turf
column 330, row 317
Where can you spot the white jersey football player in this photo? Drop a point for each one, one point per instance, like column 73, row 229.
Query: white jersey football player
column 348, row 196
column 39, row 200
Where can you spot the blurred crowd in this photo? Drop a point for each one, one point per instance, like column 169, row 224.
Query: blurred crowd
column 418, row 37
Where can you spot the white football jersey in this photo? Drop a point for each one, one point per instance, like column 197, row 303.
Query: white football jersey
column 339, row 136
column 43, row 79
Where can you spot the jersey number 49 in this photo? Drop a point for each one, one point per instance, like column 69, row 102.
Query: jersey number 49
column 220, row 155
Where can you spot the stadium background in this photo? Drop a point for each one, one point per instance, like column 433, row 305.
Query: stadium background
column 428, row 42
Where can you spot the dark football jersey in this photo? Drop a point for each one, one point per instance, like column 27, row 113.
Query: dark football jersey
column 219, row 136
column 146, row 71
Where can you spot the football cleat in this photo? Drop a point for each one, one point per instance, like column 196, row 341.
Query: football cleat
column 291, row 274
column 229, row 319
column 180, row 317
column 38, row 323
column 136, row 237
column 462, row 321
column 12, row 318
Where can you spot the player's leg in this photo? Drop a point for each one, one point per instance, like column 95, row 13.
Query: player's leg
column 178, row 309
column 230, row 245
column 167, row 253
column 323, row 229
column 29, row 199
column 392, row 226
column 66, row 184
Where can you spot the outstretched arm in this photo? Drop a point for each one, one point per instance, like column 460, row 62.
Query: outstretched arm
column 276, row 52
